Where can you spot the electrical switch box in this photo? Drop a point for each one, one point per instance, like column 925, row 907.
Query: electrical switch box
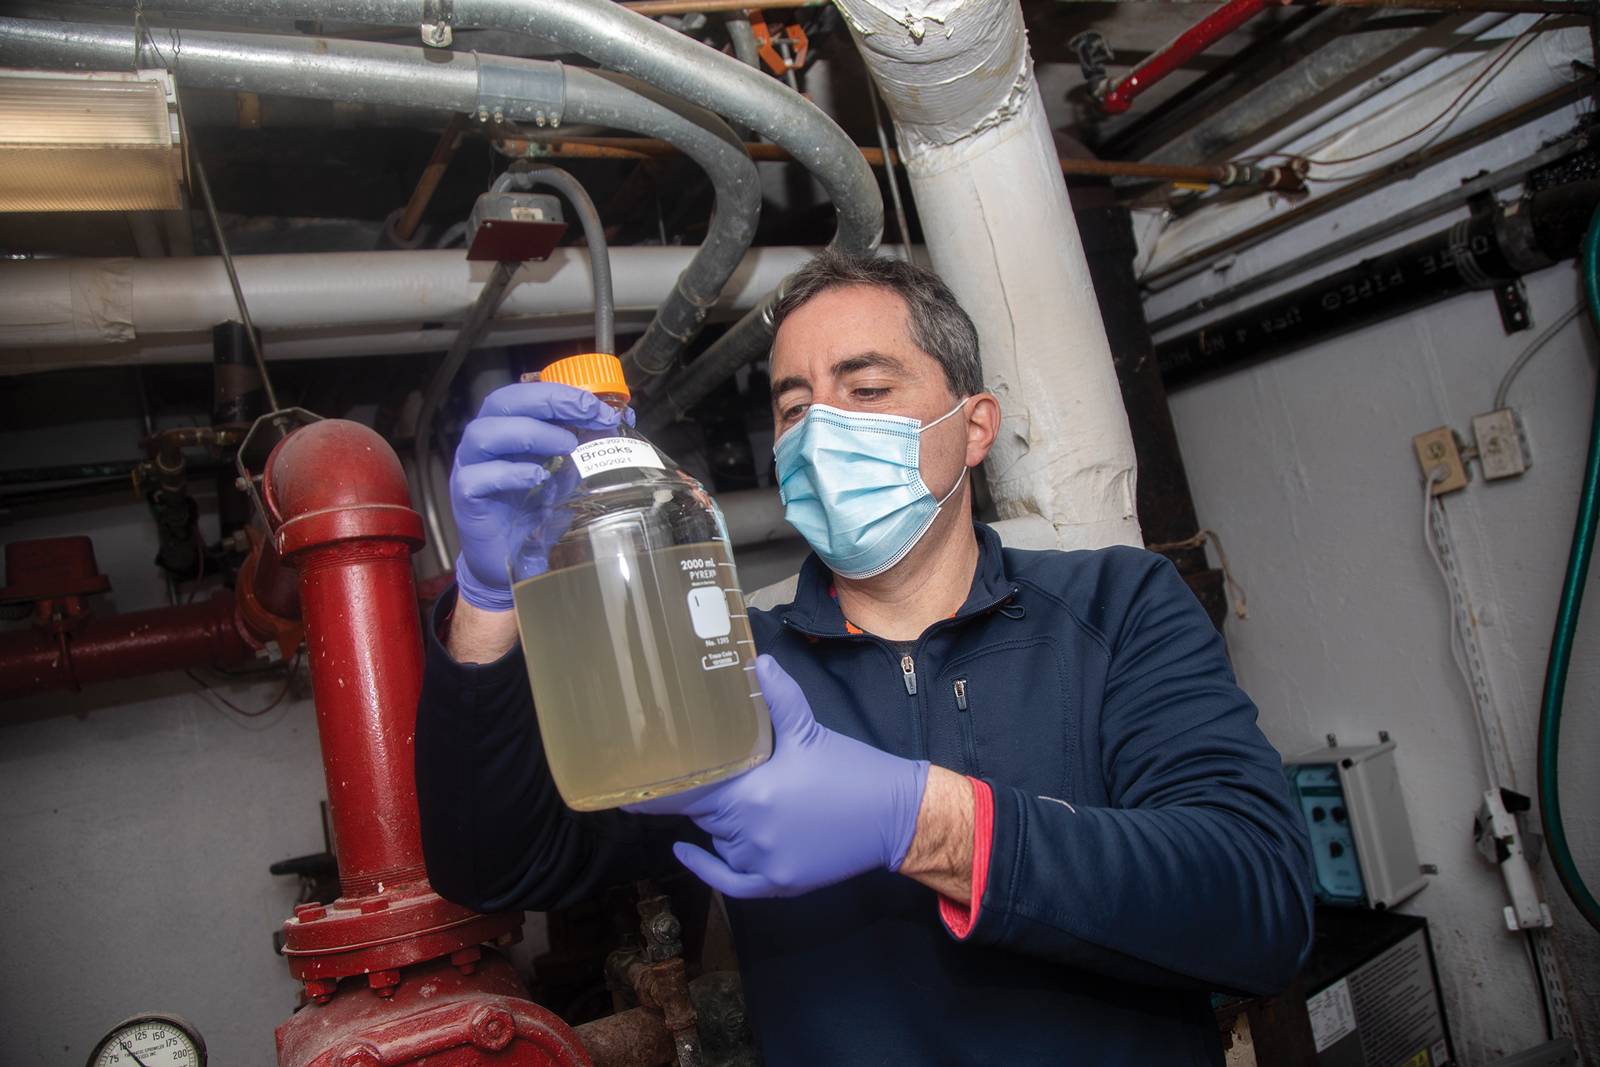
column 1440, row 448
column 1363, row 854
column 1502, row 444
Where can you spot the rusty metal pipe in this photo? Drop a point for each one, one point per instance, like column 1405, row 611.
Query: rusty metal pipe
column 635, row 1038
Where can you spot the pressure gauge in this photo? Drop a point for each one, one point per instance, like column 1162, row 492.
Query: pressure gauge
column 152, row 1040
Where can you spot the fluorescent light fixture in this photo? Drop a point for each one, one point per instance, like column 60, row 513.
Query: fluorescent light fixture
column 101, row 141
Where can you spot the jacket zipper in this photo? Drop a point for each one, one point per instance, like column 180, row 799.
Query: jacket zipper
column 908, row 667
column 969, row 744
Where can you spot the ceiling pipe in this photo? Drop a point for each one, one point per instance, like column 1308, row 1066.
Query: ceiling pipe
column 1113, row 97
column 1484, row 251
column 1494, row 84
column 982, row 162
column 83, row 303
column 533, row 91
column 1217, row 134
column 633, row 44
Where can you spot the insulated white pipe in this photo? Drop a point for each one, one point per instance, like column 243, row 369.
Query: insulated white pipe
column 90, row 302
column 1501, row 80
column 382, row 340
column 958, row 80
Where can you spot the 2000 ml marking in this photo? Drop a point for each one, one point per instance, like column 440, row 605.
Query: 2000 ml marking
column 700, row 570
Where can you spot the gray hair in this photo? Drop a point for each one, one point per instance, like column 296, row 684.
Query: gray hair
column 939, row 326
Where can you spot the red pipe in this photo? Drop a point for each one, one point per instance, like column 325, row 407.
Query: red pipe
column 341, row 517
column 123, row 646
column 338, row 503
column 1116, row 98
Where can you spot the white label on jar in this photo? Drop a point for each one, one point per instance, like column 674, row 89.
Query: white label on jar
column 708, row 612
column 613, row 453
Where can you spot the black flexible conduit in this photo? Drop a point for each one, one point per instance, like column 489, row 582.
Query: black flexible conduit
column 520, row 176
column 523, row 177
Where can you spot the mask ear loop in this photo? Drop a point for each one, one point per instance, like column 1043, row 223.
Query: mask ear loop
column 953, row 488
column 959, row 405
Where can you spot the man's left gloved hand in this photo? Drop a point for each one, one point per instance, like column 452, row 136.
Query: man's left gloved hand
column 824, row 808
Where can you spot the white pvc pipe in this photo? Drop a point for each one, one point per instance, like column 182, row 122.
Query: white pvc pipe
column 81, row 303
column 1501, row 80
column 959, row 82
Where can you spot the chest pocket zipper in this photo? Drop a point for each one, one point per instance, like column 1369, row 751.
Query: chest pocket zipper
column 909, row 669
column 969, row 744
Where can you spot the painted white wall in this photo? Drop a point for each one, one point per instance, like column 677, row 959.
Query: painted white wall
column 136, row 828
column 1305, row 466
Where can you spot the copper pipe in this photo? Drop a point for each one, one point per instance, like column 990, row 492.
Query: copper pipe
column 647, row 148
column 653, row 8
column 1379, row 177
column 431, row 174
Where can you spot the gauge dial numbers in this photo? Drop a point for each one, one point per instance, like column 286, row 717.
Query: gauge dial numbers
column 150, row 1041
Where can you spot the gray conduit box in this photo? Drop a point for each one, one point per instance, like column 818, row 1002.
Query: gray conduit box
column 1363, row 854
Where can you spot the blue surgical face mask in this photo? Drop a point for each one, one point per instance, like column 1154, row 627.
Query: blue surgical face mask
column 850, row 484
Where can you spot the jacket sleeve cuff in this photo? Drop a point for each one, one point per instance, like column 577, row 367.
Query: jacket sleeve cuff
column 503, row 673
column 959, row 919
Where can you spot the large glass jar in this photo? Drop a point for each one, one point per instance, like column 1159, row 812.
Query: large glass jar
column 632, row 620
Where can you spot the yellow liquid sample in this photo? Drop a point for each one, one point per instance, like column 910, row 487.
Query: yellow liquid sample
column 643, row 674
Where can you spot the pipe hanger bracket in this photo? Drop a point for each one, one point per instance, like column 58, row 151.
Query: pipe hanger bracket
column 436, row 18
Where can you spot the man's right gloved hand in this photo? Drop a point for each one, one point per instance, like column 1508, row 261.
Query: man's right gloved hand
column 498, row 461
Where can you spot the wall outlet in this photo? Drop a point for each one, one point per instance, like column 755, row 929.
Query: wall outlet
column 1502, row 444
column 1441, row 448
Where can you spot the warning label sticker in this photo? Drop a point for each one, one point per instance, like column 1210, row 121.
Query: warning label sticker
column 1332, row 1014
column 614, row 453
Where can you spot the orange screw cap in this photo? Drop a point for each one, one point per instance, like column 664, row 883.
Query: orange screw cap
column 598, row 372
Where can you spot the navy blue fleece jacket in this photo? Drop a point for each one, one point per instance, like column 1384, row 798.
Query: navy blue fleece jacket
column 1143, row 850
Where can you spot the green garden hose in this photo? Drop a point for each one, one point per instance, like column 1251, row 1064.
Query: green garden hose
column 1555, row 680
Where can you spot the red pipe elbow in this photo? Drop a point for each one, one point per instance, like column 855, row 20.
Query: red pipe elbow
column 339, row 507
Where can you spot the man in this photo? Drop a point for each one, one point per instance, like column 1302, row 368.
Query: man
column 1018, row 811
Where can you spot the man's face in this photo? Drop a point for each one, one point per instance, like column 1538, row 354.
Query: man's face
column 851, row 349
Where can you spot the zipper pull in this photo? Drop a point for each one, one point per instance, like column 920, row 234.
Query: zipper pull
column 909, row 669
column 961, row 693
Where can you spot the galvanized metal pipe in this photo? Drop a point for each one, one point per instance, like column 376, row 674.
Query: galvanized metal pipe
column 625, row 41
column 531, row 90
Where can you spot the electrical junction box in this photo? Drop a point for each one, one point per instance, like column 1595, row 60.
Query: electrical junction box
column 514, row 227
column 1502, row 444
column 1372, row 992
column 1363, row 854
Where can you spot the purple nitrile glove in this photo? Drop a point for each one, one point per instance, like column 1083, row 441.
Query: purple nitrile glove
column 824, row 808
column 498, row 461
